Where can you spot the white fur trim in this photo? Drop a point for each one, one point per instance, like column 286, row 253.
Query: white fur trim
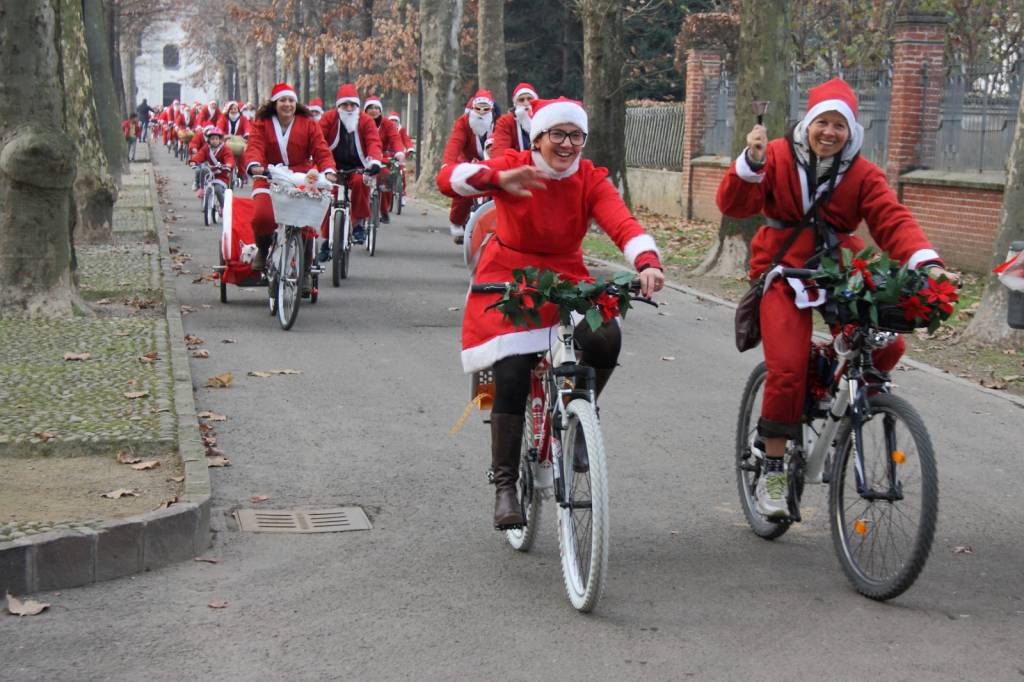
column 260, row 190
column 317, row 108
column 284, row 93
column 483, row 100
column 803, row 299
column 552, row 114
column 372, row 102
column 520, row 91
column 460, row 179
column 856, row 129
column 744, row 170
column 641, row 243
column 282, row 137
column 456, row 230
column 539, row 162
column 341, row 100
column 504, row 345
column 394, row 118
column 225, row 233
column 922, row 256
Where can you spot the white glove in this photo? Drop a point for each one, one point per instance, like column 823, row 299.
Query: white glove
column 400, row 157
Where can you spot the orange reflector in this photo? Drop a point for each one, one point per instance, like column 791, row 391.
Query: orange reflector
column 898, row 456
column 859, row 527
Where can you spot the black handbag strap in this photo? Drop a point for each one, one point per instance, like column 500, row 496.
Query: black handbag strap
column 811, row 216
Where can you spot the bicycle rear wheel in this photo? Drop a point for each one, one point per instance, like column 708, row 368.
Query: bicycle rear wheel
column 396, row 197
column 289, row 280
column 883, row 537
column 208, row 202
column 372, row 223
column 339, row 248
column 749, row 462
column 583, row 515
column 223, row 284
column 522, row 539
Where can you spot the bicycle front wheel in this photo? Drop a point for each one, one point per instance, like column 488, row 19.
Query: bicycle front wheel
column 522, row 539
column 372, row 223
column 749, row 462
column 339, row 248
column 583, row 514
column 208, row 202
column 883, row 532
column 289, row 280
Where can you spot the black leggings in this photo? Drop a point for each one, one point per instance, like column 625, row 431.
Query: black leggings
column 599, row 350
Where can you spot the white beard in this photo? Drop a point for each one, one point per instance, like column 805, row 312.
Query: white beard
column 233, row 117
column 480, row 124
column 523, row 117
column 349, row 119
column 211, row 110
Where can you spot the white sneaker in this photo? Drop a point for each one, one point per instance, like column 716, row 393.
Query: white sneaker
column 403, row 201
column 457, row 232
column 770, row 495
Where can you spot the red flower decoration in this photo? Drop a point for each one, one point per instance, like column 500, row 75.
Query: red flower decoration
column 940, row 292
column 860, row 265
column 608, row 305
column 914, row 308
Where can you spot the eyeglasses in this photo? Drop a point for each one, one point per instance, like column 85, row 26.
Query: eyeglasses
column 577, row 138
column 349, row 106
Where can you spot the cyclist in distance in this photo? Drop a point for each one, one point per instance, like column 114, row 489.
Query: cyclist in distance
column 215, row 153
column 391, row 141
column 545, row 198
column 466, row 143
column 818, row 161
column 232, row 122
column 512, row 129
column 354, row 143
column 282, row 133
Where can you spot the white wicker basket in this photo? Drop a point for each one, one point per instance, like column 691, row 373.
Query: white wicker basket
column 298, row 210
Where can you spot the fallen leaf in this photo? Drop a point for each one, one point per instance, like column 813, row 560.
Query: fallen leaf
column 256, row 499
column 186, row 309
column 206, row 305
column 44, row 436
column 453, row 309
column 212, row 451
column 107, row 301
column 205, row 429
column 122, row 333
column 29, row 607
column 994, row 382
column 209, row 440
column 229, row 340
column 963, row 549
column 218, row 604
column 168, row 502
column 261, row 375
column 193, row 340
column 271, row 372
column 202, row 354
column 212, row 416
column 119, row 493
column 206, row 559
column 152, row 356
column 202, row 279
column 176, row 479
column 668, row 358
column 132, row 395
column 220, row 381
column 77, row 357
column 149, row 464
column 248, row 290
column 218, row 462
column 126, row 457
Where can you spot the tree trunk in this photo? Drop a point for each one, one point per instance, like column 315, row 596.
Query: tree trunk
column 114, row 55
column 492, row 72
column 364, row 20
column 989, row 324
column 95, row 190
column 252, row 64
column 268, row 65
column 764, row 53
column 37, row 167
column 440, row 25
column 97, row 46
column 321, row 76
column 603, row 57
column 129, row 49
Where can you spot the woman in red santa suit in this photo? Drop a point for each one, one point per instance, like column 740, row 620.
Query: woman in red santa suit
column 466, row 143
column 391, row 142
column 316, row 107
column 283, row 132
column 167, row 118
column 407, row 145
column 512, row 129
column 210, row 114
column 818, row 161
column 232, row 122
column 545, row 198
column 354, row 143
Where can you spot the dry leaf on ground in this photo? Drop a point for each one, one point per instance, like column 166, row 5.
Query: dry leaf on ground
column 119, row 493
column 218, row 604
column 220, row 381
column 995, row 382
column 176, row 479
column 152, row 356
column 256, row 499
column 212, row 451
column 212, row 416
column 149, row 464
column 107, row 301
column 271, row 372
column 206, row 559
column 201, row 354
column 193, row 340
column 229, row 340
column 44, row 436
column 218, row 462
column 29, row 607
column 77, row 357
column 126, row 457
column 668, row 358
column 132, row 395
column 963, row 549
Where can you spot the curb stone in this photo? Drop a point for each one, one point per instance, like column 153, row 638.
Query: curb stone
column 121, row 547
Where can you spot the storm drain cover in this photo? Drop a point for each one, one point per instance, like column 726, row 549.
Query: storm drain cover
column 305, row 521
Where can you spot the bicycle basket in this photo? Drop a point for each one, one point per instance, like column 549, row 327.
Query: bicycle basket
column 295, row 207
column 236, row 144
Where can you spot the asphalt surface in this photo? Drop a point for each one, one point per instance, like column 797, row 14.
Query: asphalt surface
column 433, row 593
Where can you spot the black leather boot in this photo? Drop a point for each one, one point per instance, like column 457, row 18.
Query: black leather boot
column 580, row 462
column 506, row 442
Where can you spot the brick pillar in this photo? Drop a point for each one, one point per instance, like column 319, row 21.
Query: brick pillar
column 914, row 113
column 702, row 65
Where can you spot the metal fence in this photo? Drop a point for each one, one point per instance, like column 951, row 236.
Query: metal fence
column 654, row 137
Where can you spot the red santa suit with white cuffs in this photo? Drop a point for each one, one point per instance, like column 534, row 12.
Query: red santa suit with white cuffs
column 512, row 129
column 779, row 191
column 222, row 156
column 300, row 147
column 544, row 231
column 466, row 145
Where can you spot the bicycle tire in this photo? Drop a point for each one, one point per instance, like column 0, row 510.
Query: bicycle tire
column 223, row 284
column 858, row 567
column 207, row 206
column 371, row 224
column 521, row 539
column 396, row 197
column 289, row 281
column 583, row 536
column 338, row 264
column 746, row 478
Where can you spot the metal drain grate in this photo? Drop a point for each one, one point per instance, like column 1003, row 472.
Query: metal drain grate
column 308, row 521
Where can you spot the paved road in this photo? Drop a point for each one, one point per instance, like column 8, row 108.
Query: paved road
column 432, row 593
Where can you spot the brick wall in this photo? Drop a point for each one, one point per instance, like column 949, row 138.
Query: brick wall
column 704, row 184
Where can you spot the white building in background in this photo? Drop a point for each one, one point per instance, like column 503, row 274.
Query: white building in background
column 163, row 72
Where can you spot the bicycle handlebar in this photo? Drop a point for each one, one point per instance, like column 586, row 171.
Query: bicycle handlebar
column 501, row 287
column 800, row 273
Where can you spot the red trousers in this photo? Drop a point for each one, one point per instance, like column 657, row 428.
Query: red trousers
column 385, row 196
column 263, row 222
column 359, row 197
column 459, row 213
column 786, row 334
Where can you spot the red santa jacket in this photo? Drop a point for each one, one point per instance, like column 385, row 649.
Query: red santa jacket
column 545, row 230
column 131, row 129
column 240, row 126
column 206, row 118
column 406, row 140
column 390, row 140
column 197, row 143
column 508, row 135
column 300, row 148
column 368, row 145
column 861, row 194
column 222, row 156
column 462, row 144
column 185, row 119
